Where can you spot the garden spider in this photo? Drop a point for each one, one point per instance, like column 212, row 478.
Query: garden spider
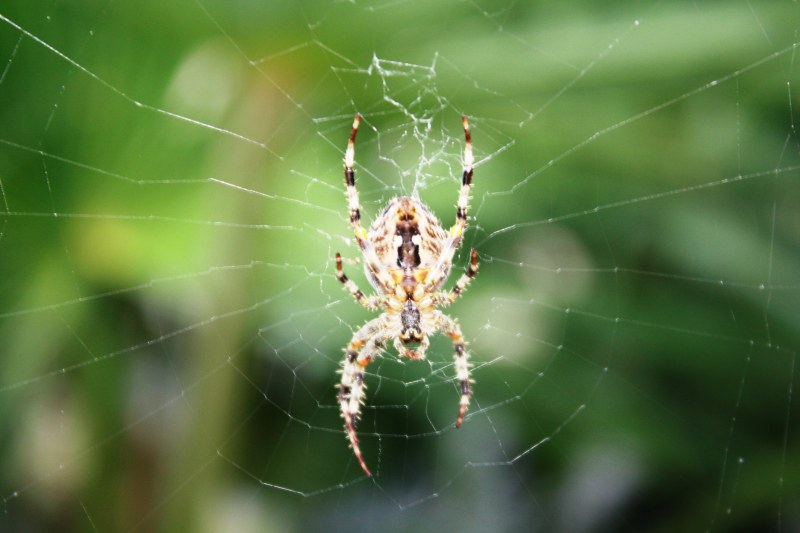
column 407, row 258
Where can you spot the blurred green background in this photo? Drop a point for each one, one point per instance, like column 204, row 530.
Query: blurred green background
column 171, row 198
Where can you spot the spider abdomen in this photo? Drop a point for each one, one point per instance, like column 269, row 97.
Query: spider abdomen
column 407, row 237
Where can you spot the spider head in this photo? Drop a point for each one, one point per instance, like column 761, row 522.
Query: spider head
column 409, row 318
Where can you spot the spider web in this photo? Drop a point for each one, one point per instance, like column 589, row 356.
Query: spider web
column 172, row 200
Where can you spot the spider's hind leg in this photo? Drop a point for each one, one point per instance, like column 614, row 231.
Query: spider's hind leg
column 354, row 205
column 466, row 183
column 456, row 232
column 350, row 182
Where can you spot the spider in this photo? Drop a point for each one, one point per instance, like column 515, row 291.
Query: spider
column 407, row 258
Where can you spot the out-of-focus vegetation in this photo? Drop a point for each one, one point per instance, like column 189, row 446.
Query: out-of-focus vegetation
column 170, row 327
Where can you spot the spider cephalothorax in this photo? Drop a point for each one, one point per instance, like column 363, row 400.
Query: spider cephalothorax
column 407, row 258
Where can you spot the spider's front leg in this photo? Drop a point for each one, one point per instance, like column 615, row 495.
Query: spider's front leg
column 365, row 345
column 461, row 362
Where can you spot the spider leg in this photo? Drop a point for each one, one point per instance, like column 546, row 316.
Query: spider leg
column 466, row 182
column 439, row 271
column 367, row 248
column 370, row 302
column 350, row 181
column 461, row 362
column 365, row 345
column 447, row 298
